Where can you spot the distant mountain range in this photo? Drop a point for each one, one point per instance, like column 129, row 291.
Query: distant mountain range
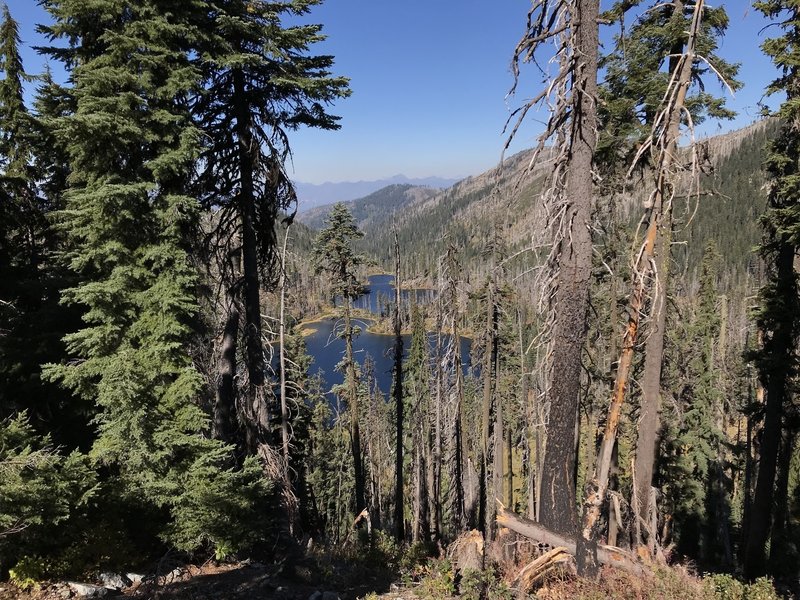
column 311, row 195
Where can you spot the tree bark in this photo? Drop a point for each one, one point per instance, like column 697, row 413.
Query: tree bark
column 777, row 347
column 661, row 203
column 489, row 376
column 250, row 278
column 650, row 406
column 225, row 402
column 282, row 358
column 780, row 544
column 574, row 263
column 436, row 488
column 606, row 555
column 457, row 499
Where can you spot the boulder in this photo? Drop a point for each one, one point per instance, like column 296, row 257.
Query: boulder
column 87, row 590
column 115, row 581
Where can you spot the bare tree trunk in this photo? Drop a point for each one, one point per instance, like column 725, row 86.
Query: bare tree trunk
column 246, row 206
column 459, row 504
column 430, row 477
column 489, row 376
column 398, row 399
column 650, row 407
column 225, row 421
column 779, row 344
column 606, row 555
column 509, row 468
column 282, row 341
column 456, row 467
column 436, row 488
column 497, row 467
column 574, row 264
column 780, row 545
column 529, row 412
column 352, row 400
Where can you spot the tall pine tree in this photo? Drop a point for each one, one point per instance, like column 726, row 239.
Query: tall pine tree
column 778, row 314
column 260, row 83
column 335, row 257
column 129, row 223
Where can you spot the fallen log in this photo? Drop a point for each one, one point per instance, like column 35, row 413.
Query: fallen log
column 606, row 555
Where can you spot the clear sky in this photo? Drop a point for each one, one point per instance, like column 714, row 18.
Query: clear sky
column 429, row 81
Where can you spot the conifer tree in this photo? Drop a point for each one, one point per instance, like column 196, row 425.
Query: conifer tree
column 129, row 225
column 778, row 314
column 334, row 256
column 20, row 217
column 645, row 108
column 31, row 184
column 693, row 433
column 573, row 27
column 40, row 489
column 259, row 83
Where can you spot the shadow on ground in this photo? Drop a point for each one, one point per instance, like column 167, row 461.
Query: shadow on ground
column 290, row 581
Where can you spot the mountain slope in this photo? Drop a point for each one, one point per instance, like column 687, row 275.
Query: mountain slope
column 313, row 195
column 375, row 210
column 466, row 214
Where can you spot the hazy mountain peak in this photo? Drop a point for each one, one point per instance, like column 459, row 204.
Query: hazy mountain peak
column 312, row 195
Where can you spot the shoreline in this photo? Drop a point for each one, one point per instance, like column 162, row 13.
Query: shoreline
column 306, row 326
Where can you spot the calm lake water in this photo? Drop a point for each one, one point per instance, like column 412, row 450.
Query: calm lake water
column 327, row 349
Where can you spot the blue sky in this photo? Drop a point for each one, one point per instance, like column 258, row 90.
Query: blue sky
column 429, row 81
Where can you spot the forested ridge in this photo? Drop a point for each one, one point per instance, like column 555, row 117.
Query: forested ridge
column 628, row 423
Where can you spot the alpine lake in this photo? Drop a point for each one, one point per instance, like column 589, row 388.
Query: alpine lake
column 327, row 348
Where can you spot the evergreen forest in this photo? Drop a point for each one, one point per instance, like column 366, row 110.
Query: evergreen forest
column 598, row 397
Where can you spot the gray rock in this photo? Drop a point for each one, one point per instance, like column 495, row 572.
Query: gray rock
column 134, row 577
column 173, row 576
column 315, row 596
column 87, row 590
column 115, row 581
column 330, row 596
column 64, row 591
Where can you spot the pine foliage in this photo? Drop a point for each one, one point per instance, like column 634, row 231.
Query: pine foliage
column 40, row 489
column 129, row 226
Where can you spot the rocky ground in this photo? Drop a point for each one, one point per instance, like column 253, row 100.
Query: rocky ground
column 211, row 581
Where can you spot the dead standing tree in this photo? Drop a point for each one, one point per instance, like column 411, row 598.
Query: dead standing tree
column 451, row 376
column 653, row 253
column 397, row 391
column 572, row 26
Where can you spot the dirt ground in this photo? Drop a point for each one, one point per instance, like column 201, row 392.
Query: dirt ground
column 241, row 581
